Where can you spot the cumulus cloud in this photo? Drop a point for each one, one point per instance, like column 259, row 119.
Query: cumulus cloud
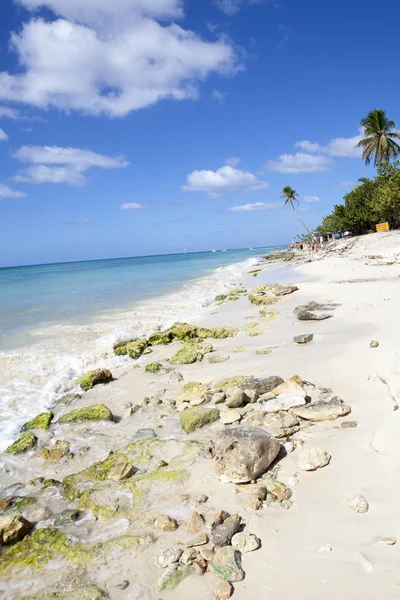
column 132, row 206
column 7, row 192
column 3, row 136
column 256, row 206
column 9, row 113
column 103, row 57
column 233, row 161
column 339, row 147
column 225, row 179
column 312, row 199
column 300, row 163
column 54, row 164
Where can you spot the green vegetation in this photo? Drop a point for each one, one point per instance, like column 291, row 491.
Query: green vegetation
column 27, row 441
column 379, row 139
column 93, row 378
column 154, row 367
column 42, row 421
column 96, row 412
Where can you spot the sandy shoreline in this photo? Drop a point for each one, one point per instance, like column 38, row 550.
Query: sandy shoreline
column 319, row 547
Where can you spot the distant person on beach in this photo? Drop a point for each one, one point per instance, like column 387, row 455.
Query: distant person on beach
column 293, row 244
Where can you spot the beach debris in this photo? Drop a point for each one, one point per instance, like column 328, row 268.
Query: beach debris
column 154, row 367
column 218, row 358
column 245, row 542
column 95, row 412
column 168, row 557
column 325, row 549
column 14, row 528
column 305, row 338
column 223, row 591
column 226, row 564
column 27, row 441
column 242, row 454
column 356, row 502
column 322, row 410
column 224, row 528
column 172, row 576
column 42, row 421
column 93, row 378
column 374, row 344
column 196, row 417
column 311, row 458
column 165, row 523
column 196, row 523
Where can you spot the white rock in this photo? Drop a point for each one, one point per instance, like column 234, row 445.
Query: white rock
column 230, row 416
column 285, row 401
column 356, row 502
column 167, row 558
column 311, row 458
column 245, row 542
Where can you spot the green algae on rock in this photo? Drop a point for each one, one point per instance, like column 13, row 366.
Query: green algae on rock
column 42, row 421
column 95, row 412
column 187, row 355
column 172, row 576
column 93, row 378
column 133, row 349
column 193, row 391
column 27, row 441
column 194, row 418
column 88, row 592
column 153, row 367
column 230, row 382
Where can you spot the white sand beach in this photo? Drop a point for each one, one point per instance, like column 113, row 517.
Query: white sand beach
column 313, row 545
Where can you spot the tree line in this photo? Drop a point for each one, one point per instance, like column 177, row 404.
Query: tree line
column 373, row 200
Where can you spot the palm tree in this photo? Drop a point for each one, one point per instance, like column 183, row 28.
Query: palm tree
column 290, row 195
column 379, row 138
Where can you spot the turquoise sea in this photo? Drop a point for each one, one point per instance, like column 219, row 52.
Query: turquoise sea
column 58, row 320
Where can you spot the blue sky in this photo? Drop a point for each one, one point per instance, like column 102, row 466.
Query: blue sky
column 150, row 126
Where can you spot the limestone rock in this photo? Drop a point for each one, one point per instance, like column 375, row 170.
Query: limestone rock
column 194, row 418
column 68, row 399
column 93, row 378
column 281, row 424
column 121, row 471
column 322, row 410
column 306, row 315
column 245, row 542
column 235, row 398
column 196, row 523
column 276, row 488
column 311, row 458
column 173, row 576
column 200, row 540
column 285, row 402
column 218, row 358
column 242, row 453
column 55, row 453
column 349, row 425
column 305, row 338
column 223, row 591
column 14, row 528
column 226, row 564
column 222, row 533
column 154, row 367
column 356, row 502
column 218, row 398
column 374, row 344
column 42, row 421
column 175, row 377
column 292, row 385
column 167, row 558
column 27, row 441
column 192, row 391
column 165, row 523
column 230, row 416
column 133, row 349
column 187, row 355
column 95, row 412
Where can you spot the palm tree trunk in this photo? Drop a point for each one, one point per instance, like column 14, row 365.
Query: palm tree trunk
column 304, row 225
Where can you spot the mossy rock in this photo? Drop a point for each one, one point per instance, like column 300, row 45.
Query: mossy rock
column 238, row 349
column 133, row 349
column 160, row 338
column 268, row 315
column 261, row 300
column 233, row 298
column 172, row 576
column 230, row 382
column 193, row 391
column 37, row 550
column 238, row 291
column 194, row 418
column 154, row 367
column 42, row 421
column 185, row 332
column 187, row 355
column 93, row 378
column 27, row 441
column 220, row 297
column 88, row 592
column 95, row 412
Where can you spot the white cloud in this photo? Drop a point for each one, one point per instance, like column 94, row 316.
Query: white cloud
column 338, row 147
column 345, row 185
column 7, row 192
column 3, row 136
column 256, row 206
column 300, row 163
column 219, row 96
column 233, row 161
column 110, row 57
column 9, row 113
column 312, row 199
column 232, row 7
column 53, row 164
column 132, row 206
column 225, row 179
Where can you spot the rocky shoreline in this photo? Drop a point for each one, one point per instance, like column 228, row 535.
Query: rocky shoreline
column 164, row 480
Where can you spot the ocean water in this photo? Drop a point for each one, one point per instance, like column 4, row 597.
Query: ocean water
column 59, row 320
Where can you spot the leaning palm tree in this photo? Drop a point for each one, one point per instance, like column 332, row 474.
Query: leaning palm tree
column 380, row 138
column 290, row 195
